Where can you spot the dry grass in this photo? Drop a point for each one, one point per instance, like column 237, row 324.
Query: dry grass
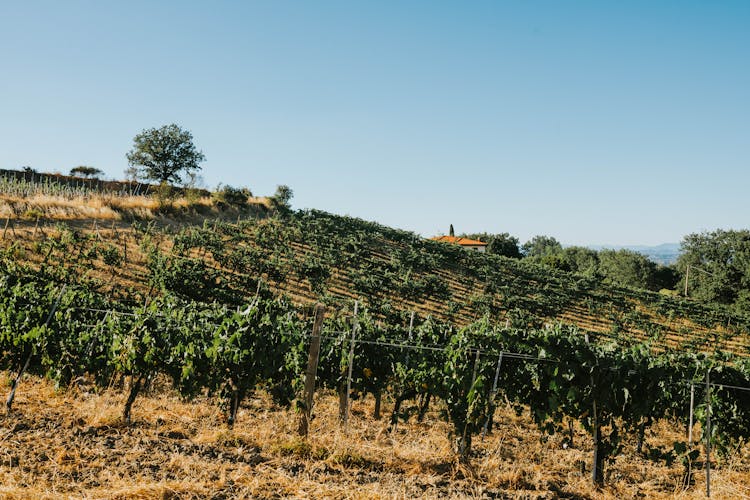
column 57, row 207
column 72, row 444
column 110, row 207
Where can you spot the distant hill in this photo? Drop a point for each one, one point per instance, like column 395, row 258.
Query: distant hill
column 666, row 253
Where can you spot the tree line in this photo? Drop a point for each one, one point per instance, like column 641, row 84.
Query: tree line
column 713, row 266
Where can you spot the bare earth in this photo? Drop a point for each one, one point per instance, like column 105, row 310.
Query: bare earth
column 72, row 444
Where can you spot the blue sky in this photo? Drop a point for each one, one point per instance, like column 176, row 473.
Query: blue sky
column 595, row 122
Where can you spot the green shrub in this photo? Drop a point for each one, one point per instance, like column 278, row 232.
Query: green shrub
column 232, row 196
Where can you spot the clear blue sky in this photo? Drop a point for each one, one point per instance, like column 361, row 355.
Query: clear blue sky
column 594, row 122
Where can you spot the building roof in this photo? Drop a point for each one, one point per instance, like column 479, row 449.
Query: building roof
column 464, row 242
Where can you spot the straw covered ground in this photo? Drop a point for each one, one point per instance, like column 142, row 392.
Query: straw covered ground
column 72, row 444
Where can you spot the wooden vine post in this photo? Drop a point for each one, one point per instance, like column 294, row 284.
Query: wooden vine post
column 312, row 370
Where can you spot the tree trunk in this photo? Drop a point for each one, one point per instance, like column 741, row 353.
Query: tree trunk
column 135, row 388
column 378, row 399
column 463, row 447
column 342, row 401
column 641, row 436
column 597, row 472
column 571, row 434
column 396, row 410
column 235, row 398
column 490, row 421
column 424, row 407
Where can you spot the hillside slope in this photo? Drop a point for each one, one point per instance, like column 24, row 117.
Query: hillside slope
column 315, row 256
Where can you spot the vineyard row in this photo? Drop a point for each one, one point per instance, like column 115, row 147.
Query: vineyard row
column 612, row 389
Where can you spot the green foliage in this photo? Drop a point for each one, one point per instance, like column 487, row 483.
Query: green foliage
column 282, row 197
column 540, row 246
column 250, row 348
column 581, row 260
column 211, row 325
column 628, row 268
column 719, row 267
column 615, row 267
column 232, row 196
column 85, row 171
column 164, row 154
column 499, row 244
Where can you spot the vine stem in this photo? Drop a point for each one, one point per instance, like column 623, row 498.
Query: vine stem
column 12, row 395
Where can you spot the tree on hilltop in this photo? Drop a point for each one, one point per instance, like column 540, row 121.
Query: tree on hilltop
column 164, row 154
column 85, row 171
column 282, row 197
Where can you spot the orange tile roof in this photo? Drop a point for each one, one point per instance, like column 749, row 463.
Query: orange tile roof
column 464, row 242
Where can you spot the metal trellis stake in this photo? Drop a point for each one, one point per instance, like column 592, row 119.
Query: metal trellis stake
column 492, row 395
column 692, row 404
column 708, row 434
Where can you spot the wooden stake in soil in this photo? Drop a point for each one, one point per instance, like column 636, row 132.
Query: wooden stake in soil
column 312, row 370
column 5, row 229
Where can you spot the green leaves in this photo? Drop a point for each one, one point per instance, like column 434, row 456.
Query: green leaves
column 211, row 328
column 164, row 153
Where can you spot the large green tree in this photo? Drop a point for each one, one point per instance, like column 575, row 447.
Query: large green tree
column 581, row 260
column 629, row 268
column 618, row 267
column 719, row 264
column 164, row 154
column 541, row 246
column 499, row 244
